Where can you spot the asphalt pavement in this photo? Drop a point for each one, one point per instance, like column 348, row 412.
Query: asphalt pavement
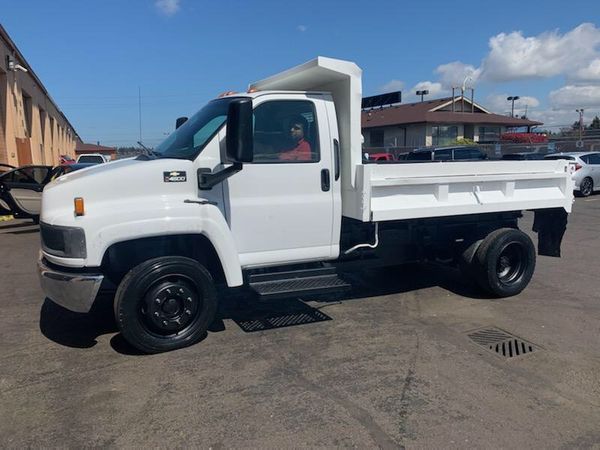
column 392, row 364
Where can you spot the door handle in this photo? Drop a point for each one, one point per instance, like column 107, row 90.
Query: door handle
column 325, row 180
column 336, row 156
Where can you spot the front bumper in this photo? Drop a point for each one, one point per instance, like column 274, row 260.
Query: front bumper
column 74, row 291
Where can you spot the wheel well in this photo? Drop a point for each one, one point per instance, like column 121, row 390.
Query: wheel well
column 121, row 257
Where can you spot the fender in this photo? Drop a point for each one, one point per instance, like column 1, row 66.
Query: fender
column 203, row 219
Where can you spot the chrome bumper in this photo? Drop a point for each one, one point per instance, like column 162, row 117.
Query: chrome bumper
column 74, row 291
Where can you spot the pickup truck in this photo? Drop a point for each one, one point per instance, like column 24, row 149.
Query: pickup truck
column 267, row 190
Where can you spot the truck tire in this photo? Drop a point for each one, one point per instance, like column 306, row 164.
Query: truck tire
column 165, row 303
column 505, row 262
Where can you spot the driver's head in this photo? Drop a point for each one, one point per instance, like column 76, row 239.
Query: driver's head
column 298, row 126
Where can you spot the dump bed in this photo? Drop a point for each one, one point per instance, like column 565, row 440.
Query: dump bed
column 418, row 190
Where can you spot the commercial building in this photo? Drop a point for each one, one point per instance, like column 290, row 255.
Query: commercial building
column 435, row 122
column 33, row 130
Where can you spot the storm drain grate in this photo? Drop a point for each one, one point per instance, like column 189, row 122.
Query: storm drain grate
column 280, row 321
column 502, row 343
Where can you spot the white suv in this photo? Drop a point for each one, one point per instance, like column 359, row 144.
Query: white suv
column 93, row 158
column 587, row 170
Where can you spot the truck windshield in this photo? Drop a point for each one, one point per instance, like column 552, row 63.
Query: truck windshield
column 190, row 138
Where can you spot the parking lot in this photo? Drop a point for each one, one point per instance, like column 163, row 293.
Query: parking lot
column 389, row 365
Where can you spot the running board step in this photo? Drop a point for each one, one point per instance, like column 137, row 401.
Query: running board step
column 289, row 284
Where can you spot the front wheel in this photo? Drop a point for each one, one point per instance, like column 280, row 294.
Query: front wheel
column 505, row 262
column 165, row 303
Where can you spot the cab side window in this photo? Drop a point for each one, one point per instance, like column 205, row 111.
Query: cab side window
column 285, row 131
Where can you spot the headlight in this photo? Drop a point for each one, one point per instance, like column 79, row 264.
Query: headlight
column 68, row 242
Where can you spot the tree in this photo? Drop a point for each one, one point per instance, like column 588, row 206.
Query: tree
column 575, row 125
column 595, row 125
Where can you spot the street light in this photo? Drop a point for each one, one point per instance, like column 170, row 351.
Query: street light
column 422, row 93
column 580, row 111
column 512, row 109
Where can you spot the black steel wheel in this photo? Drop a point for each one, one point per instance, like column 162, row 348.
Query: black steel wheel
column 505, row 262
column 165, row 303
column 586, row 187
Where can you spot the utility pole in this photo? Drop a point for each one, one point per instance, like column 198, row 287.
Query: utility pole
column 580, row 111
column 512, row 99
column 140, row 109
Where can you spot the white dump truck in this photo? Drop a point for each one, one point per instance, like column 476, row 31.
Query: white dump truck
column 268, row 190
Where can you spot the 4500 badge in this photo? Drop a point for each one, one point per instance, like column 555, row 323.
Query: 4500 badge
column 174, row 176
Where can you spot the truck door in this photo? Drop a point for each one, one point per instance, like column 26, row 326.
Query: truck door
column 280, row 206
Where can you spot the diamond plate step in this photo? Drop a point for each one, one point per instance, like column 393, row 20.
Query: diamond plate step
column 280, row 288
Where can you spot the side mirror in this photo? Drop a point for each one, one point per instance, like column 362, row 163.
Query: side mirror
column 180, row 121
column 240, row 139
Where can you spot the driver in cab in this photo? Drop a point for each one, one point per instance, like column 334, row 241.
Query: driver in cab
column 301, row 150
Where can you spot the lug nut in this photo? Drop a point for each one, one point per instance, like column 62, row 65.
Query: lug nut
column 156, row 314
column 188, row 312
column 181, row 290
column 157, row 301
column 165, row 323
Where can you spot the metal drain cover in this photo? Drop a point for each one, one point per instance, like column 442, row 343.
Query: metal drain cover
column 501, row 342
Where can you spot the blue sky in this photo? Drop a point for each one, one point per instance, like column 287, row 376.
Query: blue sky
column 93, row 55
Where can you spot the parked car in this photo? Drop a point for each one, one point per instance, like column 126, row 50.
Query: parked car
column 5, row 168
column 587, row 170
column 66, row 159
column 21, row 188
column 462, row 153
column 524, row 156
column 380, row 157
column 94, row 158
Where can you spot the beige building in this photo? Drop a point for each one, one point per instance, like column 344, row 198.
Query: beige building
column 32, row 128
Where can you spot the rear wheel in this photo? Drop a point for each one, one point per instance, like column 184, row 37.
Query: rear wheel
column 505, row 262
column 586, row 187
column 165, row 303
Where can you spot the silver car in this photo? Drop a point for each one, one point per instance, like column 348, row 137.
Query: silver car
column 587, row 170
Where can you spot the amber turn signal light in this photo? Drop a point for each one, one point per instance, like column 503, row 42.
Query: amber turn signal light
column 79, row 208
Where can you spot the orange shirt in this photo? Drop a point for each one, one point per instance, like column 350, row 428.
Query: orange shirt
column 301, row 152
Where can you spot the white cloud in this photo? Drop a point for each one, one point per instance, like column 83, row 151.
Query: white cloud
column 498, row 104
column 455, row 73
column 435, row 89
column 514, row 56
column 167, row 7
column 392, row 85
column 571, row 96
column 302, row 28
column 590, row 73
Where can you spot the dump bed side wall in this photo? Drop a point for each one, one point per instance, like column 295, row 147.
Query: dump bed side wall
column 419, row 190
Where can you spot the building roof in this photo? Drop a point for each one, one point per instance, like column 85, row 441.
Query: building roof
column 93, row 148
column 438, row 111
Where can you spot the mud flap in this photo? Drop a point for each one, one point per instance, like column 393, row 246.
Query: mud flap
column 550, row 225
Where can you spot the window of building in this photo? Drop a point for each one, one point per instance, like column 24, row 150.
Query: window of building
column 28, row 111
column 286, row 131
column 444, row 134
column 489, row 134
column 376, row 138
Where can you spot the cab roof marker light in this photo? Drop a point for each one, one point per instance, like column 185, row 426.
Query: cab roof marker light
column 79, row 206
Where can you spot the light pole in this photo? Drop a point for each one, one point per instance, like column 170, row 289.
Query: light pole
column 422, row 93
column 512, row 99
column 580, row 111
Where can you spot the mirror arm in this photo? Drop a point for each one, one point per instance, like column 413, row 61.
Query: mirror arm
column 207, row 179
